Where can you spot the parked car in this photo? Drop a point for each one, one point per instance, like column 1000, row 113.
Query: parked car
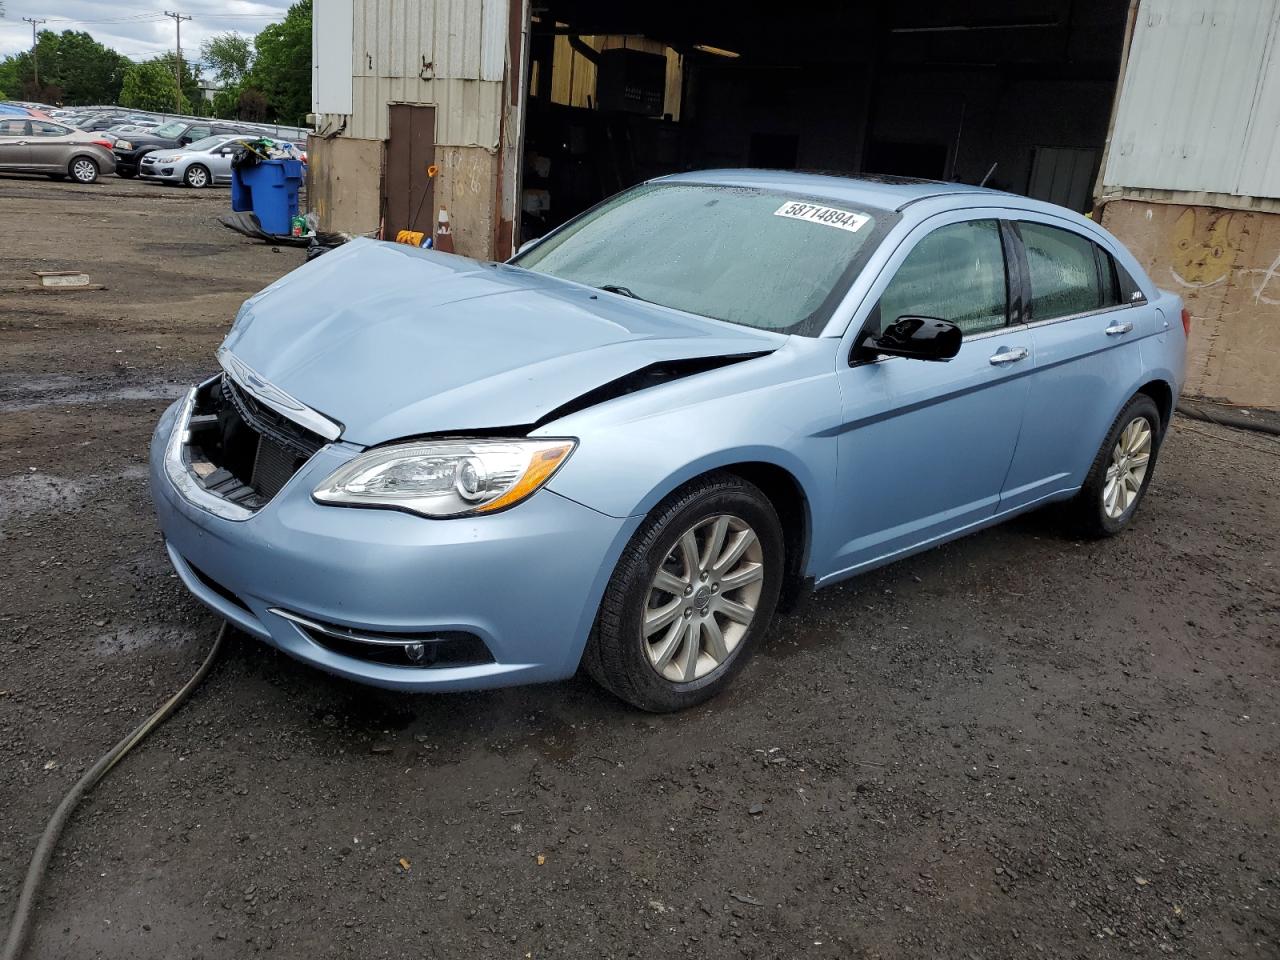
column 42, row 146
column 99, row 121
column 131, row 149
column 626, row 447
column 201, row 164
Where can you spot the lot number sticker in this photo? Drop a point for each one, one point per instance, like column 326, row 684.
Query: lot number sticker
column 828, row 216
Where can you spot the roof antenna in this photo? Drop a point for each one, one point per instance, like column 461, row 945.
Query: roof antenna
column 989, row 173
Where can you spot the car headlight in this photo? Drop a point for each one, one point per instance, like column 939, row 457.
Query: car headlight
column 446, row 478
column 124, row 145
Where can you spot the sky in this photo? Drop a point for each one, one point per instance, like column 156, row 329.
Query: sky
column 137, row 28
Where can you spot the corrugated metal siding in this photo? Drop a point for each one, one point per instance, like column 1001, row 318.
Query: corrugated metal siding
column 1200, row 100
column 468, row 112
column 450, row 53
column 1260, row 169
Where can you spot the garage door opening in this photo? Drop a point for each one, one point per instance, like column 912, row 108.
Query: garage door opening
column 1016, row 92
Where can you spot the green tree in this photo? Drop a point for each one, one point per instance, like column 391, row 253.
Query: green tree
column 10, row 74
column 191, row 95
column 87, row 71
column 282, row 65
column 74, row 68
column 228, row 57
column 149, row 86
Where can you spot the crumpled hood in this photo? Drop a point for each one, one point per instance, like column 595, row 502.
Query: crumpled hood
column 392, row 341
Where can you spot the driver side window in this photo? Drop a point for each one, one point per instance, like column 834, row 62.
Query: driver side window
column 956, row 273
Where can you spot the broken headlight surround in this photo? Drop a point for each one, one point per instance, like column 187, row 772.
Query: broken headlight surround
column 446, row 478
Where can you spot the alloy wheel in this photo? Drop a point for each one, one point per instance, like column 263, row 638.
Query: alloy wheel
column 196, row 177
column 84, row 170
column 1128, row 468
column 703, row 598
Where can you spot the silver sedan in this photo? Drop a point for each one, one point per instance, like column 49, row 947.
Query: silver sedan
column 200, row 164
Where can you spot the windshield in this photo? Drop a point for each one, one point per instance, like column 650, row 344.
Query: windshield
column 171, row 129
column 208, row 143
column 760, row 258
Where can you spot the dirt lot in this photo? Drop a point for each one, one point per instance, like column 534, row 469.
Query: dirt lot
column 1019, row 745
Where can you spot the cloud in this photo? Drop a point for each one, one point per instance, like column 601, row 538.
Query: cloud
column 137, row 31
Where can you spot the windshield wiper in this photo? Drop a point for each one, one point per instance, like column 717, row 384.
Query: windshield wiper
column 624, row 291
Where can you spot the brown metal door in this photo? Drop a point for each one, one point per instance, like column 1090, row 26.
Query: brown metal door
column 411, row 148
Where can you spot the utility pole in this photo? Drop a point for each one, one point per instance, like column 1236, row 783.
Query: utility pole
column 177, row 22
column 35, row 57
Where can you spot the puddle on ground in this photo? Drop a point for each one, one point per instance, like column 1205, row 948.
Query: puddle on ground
column 36, row 397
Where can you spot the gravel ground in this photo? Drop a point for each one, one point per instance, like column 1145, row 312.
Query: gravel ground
column 1017, row 745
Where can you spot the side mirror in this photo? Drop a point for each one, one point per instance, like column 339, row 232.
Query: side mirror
column 183, row 141
column 917, row 338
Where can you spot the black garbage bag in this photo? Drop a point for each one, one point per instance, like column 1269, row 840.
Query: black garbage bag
column 247, row 223
column 323, row 242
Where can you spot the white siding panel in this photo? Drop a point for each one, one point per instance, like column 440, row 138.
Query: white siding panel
column 1189, row 92
column 331, row 38
column 1260, row 169
column 493, row 43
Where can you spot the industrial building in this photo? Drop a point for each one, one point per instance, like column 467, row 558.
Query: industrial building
column 1160, row 116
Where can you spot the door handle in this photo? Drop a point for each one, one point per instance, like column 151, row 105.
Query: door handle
column 1009, row 356
column 1118, row 328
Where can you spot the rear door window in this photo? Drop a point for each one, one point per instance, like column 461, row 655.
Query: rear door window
column 1064, row 273
column 41, row 129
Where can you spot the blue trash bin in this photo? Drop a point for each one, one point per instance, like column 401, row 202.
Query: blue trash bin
column 270, row 190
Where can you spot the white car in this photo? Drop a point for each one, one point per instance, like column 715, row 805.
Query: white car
column 200, row 164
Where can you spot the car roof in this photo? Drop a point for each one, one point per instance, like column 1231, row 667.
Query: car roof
column 870, row 190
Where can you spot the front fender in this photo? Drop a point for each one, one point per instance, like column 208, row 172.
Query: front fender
column 779, row 410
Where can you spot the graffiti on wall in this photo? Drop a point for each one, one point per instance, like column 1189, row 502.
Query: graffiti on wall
column 1205, row 247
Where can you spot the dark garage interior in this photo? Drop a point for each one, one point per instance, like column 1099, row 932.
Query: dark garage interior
column 1018, row 92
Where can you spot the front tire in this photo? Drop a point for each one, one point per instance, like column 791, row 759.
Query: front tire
column 692, row 594
column 83, row 170
column 1121, row 472
column 197, row 177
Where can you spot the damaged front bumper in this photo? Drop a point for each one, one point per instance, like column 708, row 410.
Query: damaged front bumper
column 393, row 599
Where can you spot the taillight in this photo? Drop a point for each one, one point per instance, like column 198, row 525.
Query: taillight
column 107, row 144
column 1186, row 321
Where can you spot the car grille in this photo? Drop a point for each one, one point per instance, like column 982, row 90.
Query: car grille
column 242, row 450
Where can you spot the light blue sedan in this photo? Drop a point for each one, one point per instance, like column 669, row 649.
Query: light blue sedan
column 629, row 446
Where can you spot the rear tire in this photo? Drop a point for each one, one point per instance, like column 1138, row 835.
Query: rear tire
column 126, row 174
column 83, row 169
column 197, row 176
column 1121, row 472
column 670, row 632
